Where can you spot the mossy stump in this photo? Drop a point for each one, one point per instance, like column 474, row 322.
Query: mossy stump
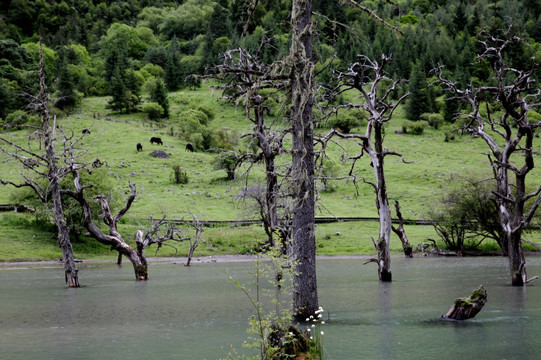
column 467, row 308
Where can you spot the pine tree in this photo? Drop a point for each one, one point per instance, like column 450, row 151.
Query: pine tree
column 118, row 91
column 419, row 100
column 158, row 95
column 67, row 96
column 173, row 77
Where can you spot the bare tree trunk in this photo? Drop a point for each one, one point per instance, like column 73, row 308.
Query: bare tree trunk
column 303, row 247
column 401, row 232
column 49, row 133
column 385, row 223
column 270, row 170
column 70, row 269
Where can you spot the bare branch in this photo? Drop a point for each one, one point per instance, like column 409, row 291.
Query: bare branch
column 372, row 14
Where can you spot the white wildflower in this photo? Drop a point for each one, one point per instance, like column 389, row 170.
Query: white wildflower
column 322, row 333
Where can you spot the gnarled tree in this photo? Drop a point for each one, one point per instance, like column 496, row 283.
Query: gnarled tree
column 369, row 79
column 509, row 136
column 244, row 78
column 48, row 167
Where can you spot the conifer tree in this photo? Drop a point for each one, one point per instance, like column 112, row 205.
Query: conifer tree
column 158, row 94
column 173, row 77
column 419, row 101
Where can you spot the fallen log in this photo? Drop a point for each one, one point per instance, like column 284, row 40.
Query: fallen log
column 467, row 308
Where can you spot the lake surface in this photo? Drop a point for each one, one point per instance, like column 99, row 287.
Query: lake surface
column 196, row 312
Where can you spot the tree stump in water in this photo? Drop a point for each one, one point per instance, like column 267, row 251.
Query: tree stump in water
column 467, row 308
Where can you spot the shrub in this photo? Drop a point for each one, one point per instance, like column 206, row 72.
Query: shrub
column 153, row 110
column 435, row 120
column 468, row 215
column 207, row 111
column 413, row 127
column 192, row 115
column 18, row 118
column 179, row 176
column 344, row 122
column 449, row 132
column 228, row 162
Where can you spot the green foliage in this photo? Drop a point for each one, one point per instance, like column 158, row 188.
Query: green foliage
column 18, row 118
column 153, row 110
column 420, row 99
column 272, row 334
column 227, row 161
column 344, row 122
column 179, row 176
column 409, row 19
column 468, row 215
column 433, row 119
column 449, row 132
column 158, row 94
column 193, row 116
column 414, row 127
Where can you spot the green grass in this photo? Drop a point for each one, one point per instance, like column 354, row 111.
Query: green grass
column 418, row 185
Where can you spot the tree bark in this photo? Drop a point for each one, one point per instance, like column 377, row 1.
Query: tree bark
column 384, row 211
column 49, row 133
column 401, row 232
column 467, row 308
column 113, row 239
column 303, row 247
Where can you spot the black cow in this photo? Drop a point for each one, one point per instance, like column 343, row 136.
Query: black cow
column 189, row 147
column 85, row 131
column 156, row 140
column 139, row 147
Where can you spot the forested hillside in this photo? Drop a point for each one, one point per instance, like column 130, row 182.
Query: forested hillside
column 120, row 48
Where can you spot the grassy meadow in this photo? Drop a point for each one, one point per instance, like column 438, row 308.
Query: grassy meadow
column 418, row 185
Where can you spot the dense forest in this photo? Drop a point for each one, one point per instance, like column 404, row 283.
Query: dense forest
column 121, row 48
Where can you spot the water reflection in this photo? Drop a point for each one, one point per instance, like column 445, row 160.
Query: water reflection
column 195, row 313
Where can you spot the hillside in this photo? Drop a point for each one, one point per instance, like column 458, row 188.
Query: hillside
column 419, row 185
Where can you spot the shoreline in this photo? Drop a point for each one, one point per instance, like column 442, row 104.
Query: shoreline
column 235, row 258
column 176, row 260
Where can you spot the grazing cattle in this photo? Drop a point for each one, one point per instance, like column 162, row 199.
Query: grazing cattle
column 189, row 147
column 139, row 147
column 156, row 140
column 85, row 131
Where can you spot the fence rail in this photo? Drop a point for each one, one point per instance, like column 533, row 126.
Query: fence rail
column 234, row 223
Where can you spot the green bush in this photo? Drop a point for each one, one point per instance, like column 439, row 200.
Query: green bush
column 344, row 122
column 449, row 132
column 207, row 110
column 228, row 162
column 18, row 118
column 414, row 127
column 179, row 176
column 153, row 110
column 192, row 116
column 435, row 120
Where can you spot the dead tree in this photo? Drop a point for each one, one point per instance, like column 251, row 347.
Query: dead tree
column 49, row 166
column 401, row 232
column 368, row 78
column 244, row 77
column 509, row 136
column 467, row 308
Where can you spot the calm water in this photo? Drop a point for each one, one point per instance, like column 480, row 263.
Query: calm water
column 195, row 313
